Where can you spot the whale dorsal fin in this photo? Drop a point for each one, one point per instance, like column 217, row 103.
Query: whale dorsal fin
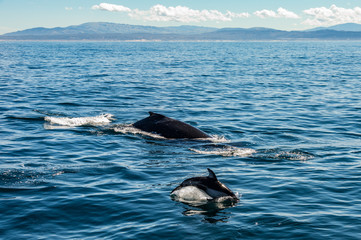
column 212, row 175
column 153, row 114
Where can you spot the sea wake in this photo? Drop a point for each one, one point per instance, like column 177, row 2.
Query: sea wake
column 99, row 120
column 129, row 129
column 225, row 151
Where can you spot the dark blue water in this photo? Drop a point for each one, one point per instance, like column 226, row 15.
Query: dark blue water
column 285, row 117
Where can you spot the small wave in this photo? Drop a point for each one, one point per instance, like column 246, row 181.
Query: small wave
column 69, row 104
column 43, row 112
column 98, row 75
column 26, row 118
column 217, row 139
column 102, row 119
column 226, row 151
column 10, row 178
column 296, row 155
column 36, row 67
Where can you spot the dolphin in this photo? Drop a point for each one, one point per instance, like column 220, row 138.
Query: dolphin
column 168, row 127
column 201, row 189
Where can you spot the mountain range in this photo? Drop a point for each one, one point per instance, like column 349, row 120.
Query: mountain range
column 123, row 32
column 352, row 27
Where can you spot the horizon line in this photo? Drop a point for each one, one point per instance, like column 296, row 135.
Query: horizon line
column 183, row 25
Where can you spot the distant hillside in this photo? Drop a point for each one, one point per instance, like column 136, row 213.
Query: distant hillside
column 109, row 28
column 351, row 27
column 102, row 31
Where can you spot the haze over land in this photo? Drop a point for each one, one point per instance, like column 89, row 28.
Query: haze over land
column 275, row 14
column 126, row 32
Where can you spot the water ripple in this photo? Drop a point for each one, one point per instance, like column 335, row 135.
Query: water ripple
column 284, row 117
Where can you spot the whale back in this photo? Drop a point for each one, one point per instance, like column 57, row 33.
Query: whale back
column 168, row 127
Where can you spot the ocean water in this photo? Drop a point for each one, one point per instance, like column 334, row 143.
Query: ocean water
column 285, row 121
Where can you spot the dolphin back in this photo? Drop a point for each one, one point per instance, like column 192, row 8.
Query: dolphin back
column 209, row 185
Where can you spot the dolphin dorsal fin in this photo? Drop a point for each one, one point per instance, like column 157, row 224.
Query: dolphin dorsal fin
column 212, row 175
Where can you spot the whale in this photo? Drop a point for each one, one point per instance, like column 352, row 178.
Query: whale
column 168, row 127
column 203, row 189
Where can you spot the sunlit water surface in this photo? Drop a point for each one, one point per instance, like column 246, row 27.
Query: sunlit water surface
column 285, row 121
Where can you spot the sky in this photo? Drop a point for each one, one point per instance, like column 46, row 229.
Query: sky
column 278, row 14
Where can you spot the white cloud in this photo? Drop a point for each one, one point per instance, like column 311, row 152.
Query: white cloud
column 111, row 7
column 333, row 15
column 265, row 13
column 281, row 13
column 238, row 15
column 178, row 14
column 68, row 8
column 286, row 14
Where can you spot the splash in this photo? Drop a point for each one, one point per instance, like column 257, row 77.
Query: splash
column 217, row 139
column 294, row 155
column 99, row 120
column 129, row 129
column 226, row 151
column 278, row 154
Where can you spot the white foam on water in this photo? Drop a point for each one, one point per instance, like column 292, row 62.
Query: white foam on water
column 99, row 120
column 217, row 139
column 227, row 151
column 129, row 129
column 297, row 156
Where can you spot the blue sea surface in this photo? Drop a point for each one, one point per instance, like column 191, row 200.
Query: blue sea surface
column 285, row 118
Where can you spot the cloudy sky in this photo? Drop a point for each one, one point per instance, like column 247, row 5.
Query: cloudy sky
column 279, row 14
